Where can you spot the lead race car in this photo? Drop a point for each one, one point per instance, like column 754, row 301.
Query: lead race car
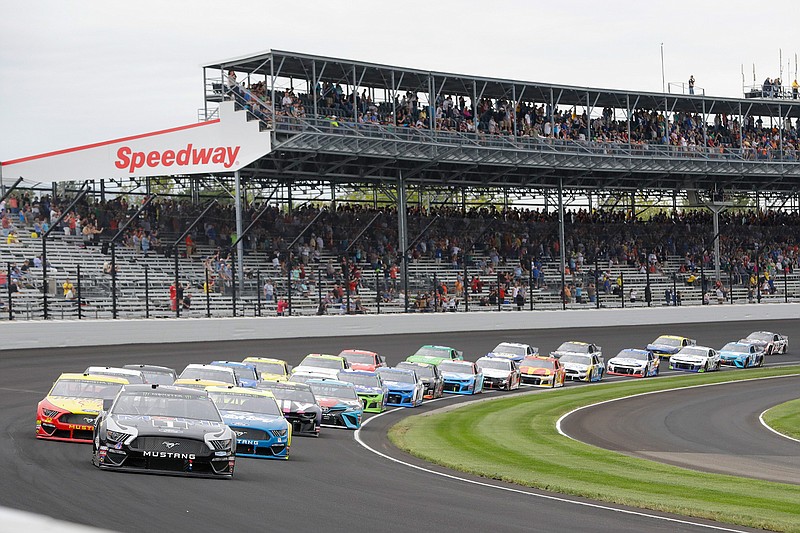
column 634, row 363
column 695, row 359
column 770, row 343
column 163, row 429
column 69, row 410
column 254, row 416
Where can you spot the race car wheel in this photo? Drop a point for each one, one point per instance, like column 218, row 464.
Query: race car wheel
column 760, row 362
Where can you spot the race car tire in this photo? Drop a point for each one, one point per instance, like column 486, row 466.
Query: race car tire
column 761, row 362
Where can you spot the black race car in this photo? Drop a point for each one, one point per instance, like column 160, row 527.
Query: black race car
column 299, row 405
column 163, row 429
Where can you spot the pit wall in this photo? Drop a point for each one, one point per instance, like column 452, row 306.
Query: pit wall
column 66, row 333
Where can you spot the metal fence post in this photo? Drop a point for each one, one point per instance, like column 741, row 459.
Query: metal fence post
column 622, row 288
column 530, row 285
column 499, row 300
column 258, row 293
column 596, row 283
column 78, row 288
column 10, row 294
column 467, row 284
column 435, row 293
column 233, row 287
column 378, row 290
column 785, row 286
column 113, row 280
column 208, row 294
column 146, row 291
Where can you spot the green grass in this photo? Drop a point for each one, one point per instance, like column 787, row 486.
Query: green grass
column 514, row 439
column 785, row 418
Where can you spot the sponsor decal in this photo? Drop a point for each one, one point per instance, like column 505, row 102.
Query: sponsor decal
column 190, row 155
column 80, row 427
column 118, row 446
column 247, row 441
column 169, row 455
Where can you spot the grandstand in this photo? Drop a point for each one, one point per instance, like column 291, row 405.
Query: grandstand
column 537, row 189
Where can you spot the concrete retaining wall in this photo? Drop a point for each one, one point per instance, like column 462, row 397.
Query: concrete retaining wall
column 38, row 334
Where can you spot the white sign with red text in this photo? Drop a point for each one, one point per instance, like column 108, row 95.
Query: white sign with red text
column 223, row 145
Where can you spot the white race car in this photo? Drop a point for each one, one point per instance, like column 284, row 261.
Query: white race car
column 499, row 373
column 770, row 343
column 515, row 351
column 577, row 347
column 695, row 359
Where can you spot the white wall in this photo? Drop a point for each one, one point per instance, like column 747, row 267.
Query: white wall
column 54, row 333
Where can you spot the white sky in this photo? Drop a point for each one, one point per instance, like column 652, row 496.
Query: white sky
column 78, row 71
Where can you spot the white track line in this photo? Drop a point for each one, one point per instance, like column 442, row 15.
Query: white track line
column 357, row 436
column 761, row 419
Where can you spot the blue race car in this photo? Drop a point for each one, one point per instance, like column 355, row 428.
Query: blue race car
column 369, row 387
column 256, row 420
column 246, row 373
column 405, row 387
column 741, row 355
column 461, row 377
column 340, row 404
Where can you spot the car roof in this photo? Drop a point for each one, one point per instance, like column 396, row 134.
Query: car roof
column 154, row 387
column 487, row 358
column 334, row 382
column 263, row 360
column 241, row 391
column 283, row 385
column 204, row 365
column 740, row 343
column 113, row 370
column 150, row 368
column 679, row 337
column 199, row 381
column 636, row 350
column 325, row 356
column 520, row 344
column 437, row 346
column 358, row 372
column 74, row 376
column 541, row 357
column 237, row 364
column 412, row 363
column 576, row 342
column 356, row 351
column 385, row 369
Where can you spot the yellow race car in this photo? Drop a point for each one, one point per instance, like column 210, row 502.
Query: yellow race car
column 270, row 369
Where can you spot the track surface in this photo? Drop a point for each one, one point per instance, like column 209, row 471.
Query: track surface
column 700, row 428
column 329, row 484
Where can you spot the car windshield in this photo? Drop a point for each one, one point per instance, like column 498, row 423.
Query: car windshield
column 422, row 370
column 269, row 368
column 573, row 347
column 162, row 378
column 302, row 378
column 433, row 351
column 691, row 350
column 295, row 395
column 85, row 389
column 512, row 349
column 322, row 362
column 667, row 341
column 735, row 347
column 537, row 363
column 576, row 358
column 171, row 404
column 330, row 390
column 358, row 358
column 360, row 379
column 760, row 336
column 249, row 403
column 210, row 374
column 494, row 364
column 244, row 373
column 632, row 354
column 132, row 378
column 455, row 367
column 388, row 374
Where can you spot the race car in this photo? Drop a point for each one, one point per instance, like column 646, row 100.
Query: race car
column 199, row 383
column 270, row 369
column 514, row 351
column 434, row 355
column 634, row 363
column 298, row 404
column 131, row 376
column 430, row 375
column 246, row 374
column 667, row 345
column 770, row 343
column 254, row 416
column 363, row 359
column 695, row 359
column 163, row 429
column 542, row 371
column 69, row 410
column 341, row 406
column 321, row 365
column 404, row 386
column 741, row 355
column 461, row 377
column 155, row 374
column 218, row 373
column 583, row 366
column 369, row 387
column 499, row 372
column 578, row 347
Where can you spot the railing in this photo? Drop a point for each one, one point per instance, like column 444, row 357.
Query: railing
column 784, row 92
column 681, row 87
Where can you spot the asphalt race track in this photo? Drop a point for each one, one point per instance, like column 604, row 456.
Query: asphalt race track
column 329, row 484
column 664, row 427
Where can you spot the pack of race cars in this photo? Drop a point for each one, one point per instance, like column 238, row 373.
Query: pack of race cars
column 149, row 418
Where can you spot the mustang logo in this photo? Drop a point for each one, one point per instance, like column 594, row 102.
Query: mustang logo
column 240, row 433
column 170, row 445
column 90, row 420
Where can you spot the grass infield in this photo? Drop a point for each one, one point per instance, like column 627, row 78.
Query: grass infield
column 514, row 439
column 785, row 418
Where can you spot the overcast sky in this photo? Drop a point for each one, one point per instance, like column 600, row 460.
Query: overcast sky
column 74, row 72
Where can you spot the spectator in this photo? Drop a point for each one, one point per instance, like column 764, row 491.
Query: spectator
column 68, row 289
column 691, row 84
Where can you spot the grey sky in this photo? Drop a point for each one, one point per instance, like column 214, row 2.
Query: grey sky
column 75, row 72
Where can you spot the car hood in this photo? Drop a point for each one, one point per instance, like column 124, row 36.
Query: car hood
column 266, row 376
column 694, row 359
column 576, row 366
column 732, row 355
column 663, row 348
column 77, row 405
column 167, row 425
column 369, row 367
column 537, row 370
column 291, row 406
column 317, row 371
column 495, row 373
column 509, row 356
column 626, row 361
column 330, row 403
column 751, row 341
column 253, row 420
column 457, row 375
column 400, row 385
column 361, row 389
